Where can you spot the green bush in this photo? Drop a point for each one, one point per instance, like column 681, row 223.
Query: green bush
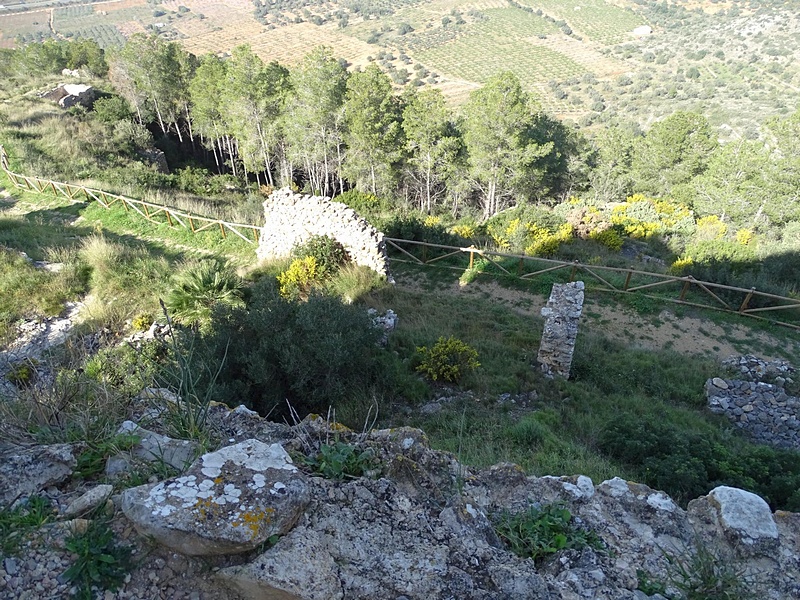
column 449, row 359
column 539, row 532
column 687, row 463
column 328, row 253
column 314, row 354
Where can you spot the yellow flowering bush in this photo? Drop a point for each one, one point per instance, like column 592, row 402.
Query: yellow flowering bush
column 745, row 237
column 300, row 278
column 679, row 266
column 544, row 243
column 711, row 228
column 464, row 231
column 642, row 217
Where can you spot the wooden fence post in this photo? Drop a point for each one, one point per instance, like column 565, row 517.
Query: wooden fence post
column 471, row 257
column 746, row 301
column 574, row 270
column 686, row 287
column 627, row 280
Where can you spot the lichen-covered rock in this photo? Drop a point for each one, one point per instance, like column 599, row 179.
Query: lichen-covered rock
column 228, row 501
column 26, row 471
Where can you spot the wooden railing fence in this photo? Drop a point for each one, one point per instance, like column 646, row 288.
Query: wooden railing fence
column 599, row 277
column 603, row 278
column 156, row 213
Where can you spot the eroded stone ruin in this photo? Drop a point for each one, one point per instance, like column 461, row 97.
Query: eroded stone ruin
column 561, row 314
column 291, row 219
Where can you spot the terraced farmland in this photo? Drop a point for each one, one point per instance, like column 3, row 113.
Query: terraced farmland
column 598, row 20
column 506, row 40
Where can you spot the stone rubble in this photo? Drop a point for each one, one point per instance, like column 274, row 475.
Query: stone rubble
column 763, row 411
column 420, row 528
column 562, row 314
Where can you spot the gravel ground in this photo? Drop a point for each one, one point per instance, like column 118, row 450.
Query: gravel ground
column 36, row 573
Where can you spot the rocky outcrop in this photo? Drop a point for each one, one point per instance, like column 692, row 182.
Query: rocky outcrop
column 291, row 219
column 71, row 94
column 151, row 447
column 561, row 316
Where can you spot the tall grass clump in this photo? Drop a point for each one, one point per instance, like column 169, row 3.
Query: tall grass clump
column 125, row 280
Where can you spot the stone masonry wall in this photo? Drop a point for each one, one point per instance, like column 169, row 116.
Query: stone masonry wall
column 291, row 219
column 562, row 313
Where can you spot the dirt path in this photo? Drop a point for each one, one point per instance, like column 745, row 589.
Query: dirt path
column 690, row 335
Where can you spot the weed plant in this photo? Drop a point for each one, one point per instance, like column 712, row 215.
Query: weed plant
column 704, row 574
column 100, row 563
column 17, row 522
column 539, row 532
column 339, row 460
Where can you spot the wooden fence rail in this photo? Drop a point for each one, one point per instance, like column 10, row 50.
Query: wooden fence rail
column 149, row 210
column 197, row 223
column 600, row 278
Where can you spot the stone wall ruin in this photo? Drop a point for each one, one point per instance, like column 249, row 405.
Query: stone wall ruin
column 291, row 219
column 561, row 314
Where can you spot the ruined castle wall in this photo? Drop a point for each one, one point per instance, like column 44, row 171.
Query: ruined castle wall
column 291, row 219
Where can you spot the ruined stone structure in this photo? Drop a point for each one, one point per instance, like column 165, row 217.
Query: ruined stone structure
column 291, row 219
column 765, row 412
column 561, row 314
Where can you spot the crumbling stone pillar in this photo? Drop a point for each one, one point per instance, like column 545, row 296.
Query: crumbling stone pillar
column 561, row 314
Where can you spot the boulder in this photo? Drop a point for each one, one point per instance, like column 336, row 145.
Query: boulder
column 26, row 471
column 228, row 501
column 744, row 519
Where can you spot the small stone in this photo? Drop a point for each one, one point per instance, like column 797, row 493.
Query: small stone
column 720, row 383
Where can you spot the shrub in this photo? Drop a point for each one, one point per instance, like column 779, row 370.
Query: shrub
column 642, row 217
column 328, row 254
column 300, row 278
column 449, row 359
column 608, row 238
column 100, row 563
column 314, row 353
column 142, row 321
column 539, row 532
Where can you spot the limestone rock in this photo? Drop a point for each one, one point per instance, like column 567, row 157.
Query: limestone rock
column 89, row 501
column 152, row 447
column 562, row 314
column 26, row 471
column 298, row 567
column 228, row 501
column 744, row 518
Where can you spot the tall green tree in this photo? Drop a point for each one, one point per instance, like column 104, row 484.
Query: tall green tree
column 314, row 122
column 153, row 75
column 433, row 144
column 252, row 100
column 373, row 134
column 673, row 152
column 500, row 139
column 206, row 106
column 610, row 178
column 733, row 185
